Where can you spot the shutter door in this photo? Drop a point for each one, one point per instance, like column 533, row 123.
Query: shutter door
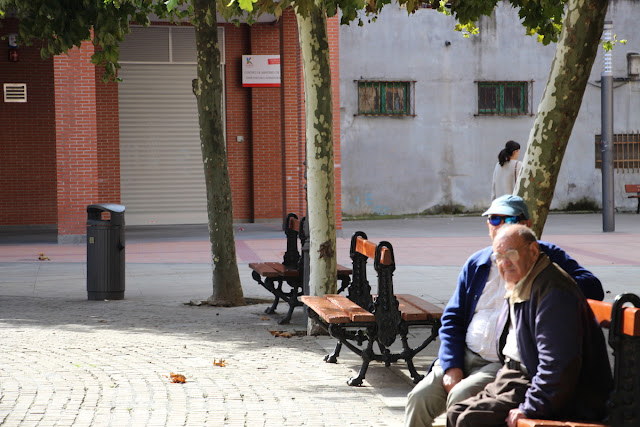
column 162, row 177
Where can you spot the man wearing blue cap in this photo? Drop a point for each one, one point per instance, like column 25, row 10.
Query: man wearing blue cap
column 468, row 359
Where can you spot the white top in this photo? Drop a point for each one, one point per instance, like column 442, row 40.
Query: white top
column 510, row 349
column 481, row 333
column 504, row 178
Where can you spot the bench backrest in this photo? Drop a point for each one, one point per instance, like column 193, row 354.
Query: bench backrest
column 385, row 307
column 624, row 338
column 632, row 188
column 292, row 228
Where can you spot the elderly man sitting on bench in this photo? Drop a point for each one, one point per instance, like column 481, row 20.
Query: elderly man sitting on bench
column 554, row 355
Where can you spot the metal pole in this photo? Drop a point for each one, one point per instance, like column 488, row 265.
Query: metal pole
column 606, row 91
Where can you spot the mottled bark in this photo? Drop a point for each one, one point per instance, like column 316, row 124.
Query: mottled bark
column 575, row 54
column 227, row 289
column 314, row 43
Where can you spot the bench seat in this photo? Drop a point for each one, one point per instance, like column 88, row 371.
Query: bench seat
column 273, row 276
column 338, row 309
column 360, row 319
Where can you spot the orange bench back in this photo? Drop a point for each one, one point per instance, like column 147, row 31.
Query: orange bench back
column 630, row 317
column 368, row 249
column 632, row 188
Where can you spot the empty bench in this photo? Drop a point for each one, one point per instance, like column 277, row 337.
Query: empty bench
column 290, row 271
column 360, row 320
column 624, row 339
column 633, row 188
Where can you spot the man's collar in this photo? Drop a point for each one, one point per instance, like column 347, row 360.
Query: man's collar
column 522, row 291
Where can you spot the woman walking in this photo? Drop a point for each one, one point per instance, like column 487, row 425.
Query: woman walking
column 506, row 170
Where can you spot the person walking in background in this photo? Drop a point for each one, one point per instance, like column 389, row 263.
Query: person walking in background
column 506, row 170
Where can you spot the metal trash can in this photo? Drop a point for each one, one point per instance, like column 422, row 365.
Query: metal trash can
column 105, row 252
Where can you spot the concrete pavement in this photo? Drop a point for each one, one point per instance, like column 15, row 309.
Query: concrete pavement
column 69, row 361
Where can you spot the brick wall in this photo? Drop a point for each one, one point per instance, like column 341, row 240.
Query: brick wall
column 27, row 139
column 238, row 123
column 292, row 116
column 76, row 138
column 333, row 27
column 59, row 152
column 108, row 134
column 266, row 111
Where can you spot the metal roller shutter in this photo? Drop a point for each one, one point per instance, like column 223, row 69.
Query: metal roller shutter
column 162, row 178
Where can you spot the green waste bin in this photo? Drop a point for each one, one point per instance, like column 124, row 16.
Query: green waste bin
column 105, row 252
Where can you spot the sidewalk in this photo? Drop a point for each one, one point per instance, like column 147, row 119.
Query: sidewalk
column 70, row 361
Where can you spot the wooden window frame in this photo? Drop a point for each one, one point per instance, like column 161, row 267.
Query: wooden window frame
column 374, row 98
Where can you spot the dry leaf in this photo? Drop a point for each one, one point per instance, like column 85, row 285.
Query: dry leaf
column 42, row 257
column 178, row 378
column 281, row 334
column 220, row 362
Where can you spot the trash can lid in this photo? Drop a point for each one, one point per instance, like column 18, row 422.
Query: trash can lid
column 110, row 207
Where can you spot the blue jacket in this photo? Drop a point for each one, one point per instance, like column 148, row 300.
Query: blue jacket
column 561, row 344
column 471, row 282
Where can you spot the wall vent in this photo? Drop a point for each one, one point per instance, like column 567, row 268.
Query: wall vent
column 15, row 92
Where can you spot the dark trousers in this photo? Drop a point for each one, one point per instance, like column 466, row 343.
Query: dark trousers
column 491, row 406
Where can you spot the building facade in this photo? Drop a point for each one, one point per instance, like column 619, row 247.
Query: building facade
column 68, row 140
column 451, row 103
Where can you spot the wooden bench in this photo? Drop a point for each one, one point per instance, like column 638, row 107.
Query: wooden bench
column 290, row 271
column 633, row 188
column 361, row 317
column 624, row 339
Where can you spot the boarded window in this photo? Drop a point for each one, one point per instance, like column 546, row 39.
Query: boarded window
column 385, row 98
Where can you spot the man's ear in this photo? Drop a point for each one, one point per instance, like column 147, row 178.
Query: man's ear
column 535, row 247
column 528, row 223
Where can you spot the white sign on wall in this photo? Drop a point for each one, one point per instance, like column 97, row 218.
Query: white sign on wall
column 260, row 70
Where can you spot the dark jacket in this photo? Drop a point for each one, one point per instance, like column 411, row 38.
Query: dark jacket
column 560, row 343
column 471, row 282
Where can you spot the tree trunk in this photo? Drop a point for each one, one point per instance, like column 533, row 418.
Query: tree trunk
column 575, row 54
column 314, row 43
column 227, row 289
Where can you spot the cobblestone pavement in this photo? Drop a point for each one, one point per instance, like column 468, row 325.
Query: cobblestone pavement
column 108, row 363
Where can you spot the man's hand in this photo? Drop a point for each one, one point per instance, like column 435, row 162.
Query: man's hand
column 451, row 377
column 513, row 417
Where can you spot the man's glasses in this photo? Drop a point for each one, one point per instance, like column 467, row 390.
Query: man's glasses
column 512, row 255
column 496, row 220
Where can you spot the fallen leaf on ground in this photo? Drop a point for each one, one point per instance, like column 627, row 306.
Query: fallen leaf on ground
column 285, row 334
column 42, row 257
column 219, row 362
column 178, row 378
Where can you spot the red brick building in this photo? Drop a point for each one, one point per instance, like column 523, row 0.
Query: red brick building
column 68, row 140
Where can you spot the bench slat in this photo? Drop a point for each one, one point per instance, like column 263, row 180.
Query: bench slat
column 283, row 270
column 368, row 248
column 542, row 423
column 632, row 188
column 355, row 312
column 326, row 309
column 630, row 317
column 263, row 269
column 415, row 308
column 294, row 224
column 343, row 271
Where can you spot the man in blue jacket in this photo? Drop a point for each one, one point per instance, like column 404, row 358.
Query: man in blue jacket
column 468, row 359
column 555, row 363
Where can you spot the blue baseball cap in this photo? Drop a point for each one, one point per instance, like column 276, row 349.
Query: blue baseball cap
column 508, row 205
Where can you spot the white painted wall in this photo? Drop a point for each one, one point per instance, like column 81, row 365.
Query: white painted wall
column 445, row 155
